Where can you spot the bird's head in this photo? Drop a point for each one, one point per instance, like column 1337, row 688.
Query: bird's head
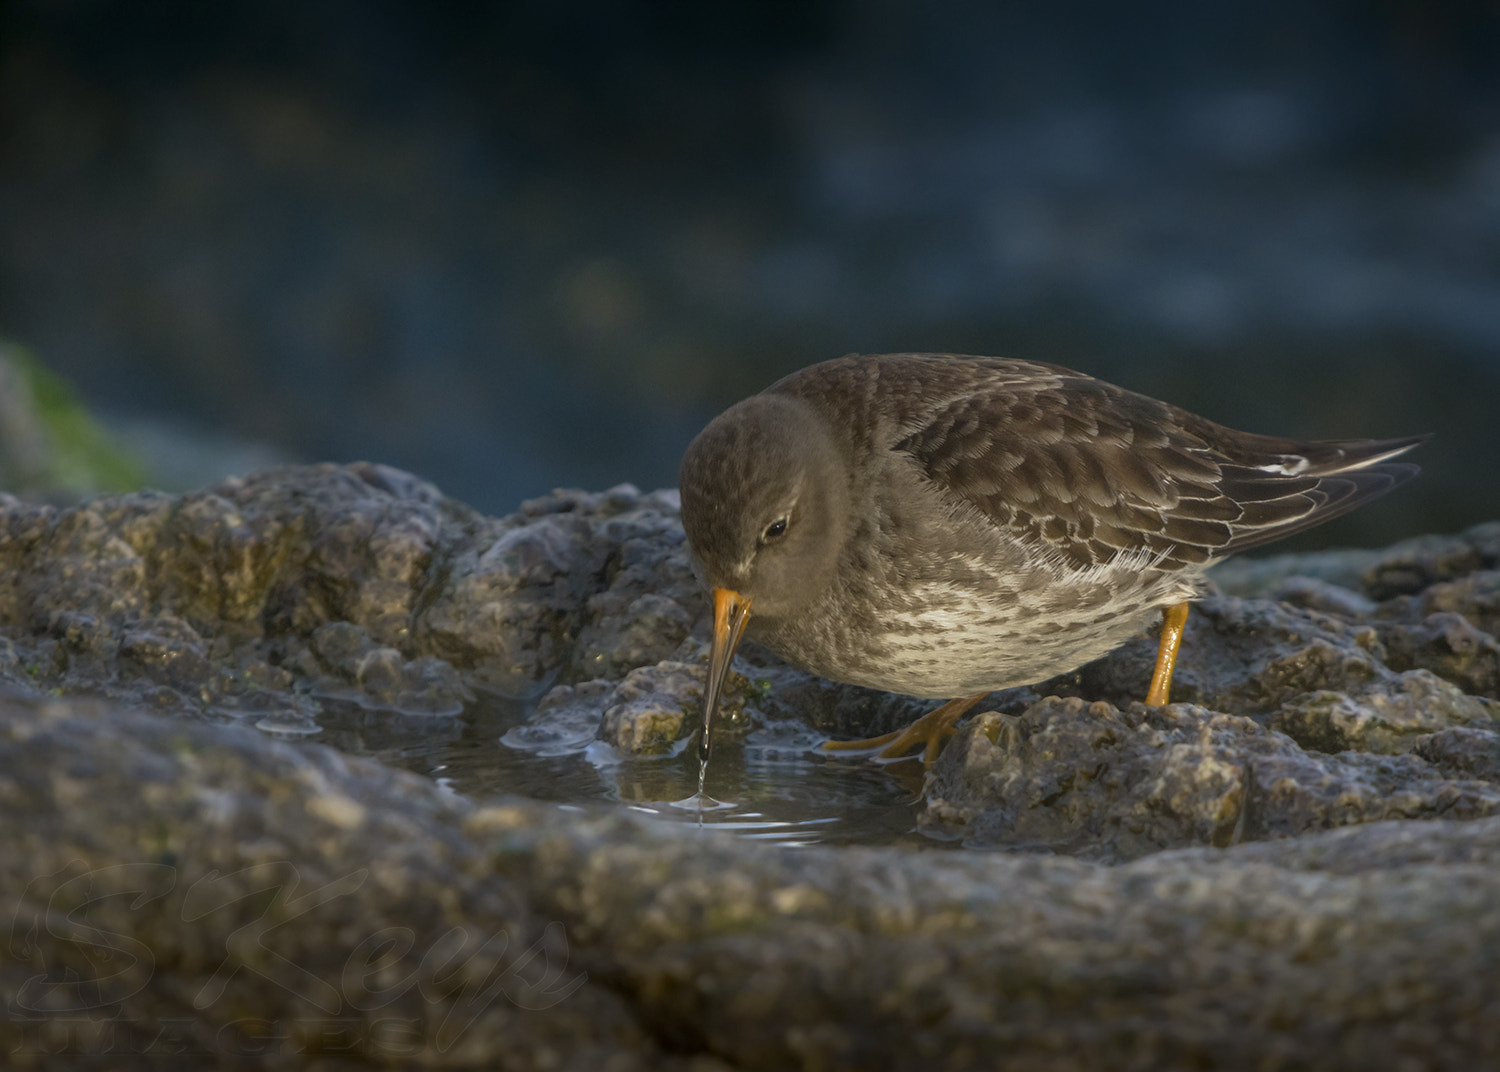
column 765, row 505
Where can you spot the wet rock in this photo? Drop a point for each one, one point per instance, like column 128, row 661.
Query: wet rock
column 360, row 583
column 651, row 709
column 1312, row 593
column 204, row 891
column 1414, row 565
column 650, row 600
column 263, row 599
column 1386, row 721
column 382, row 678
column 1463, row 752
column 1475, row 597
column 645, row 714
column 512, row 610
column 564, row 722
column 1265, row 575
column 1100, row 783
column 625, row 635
column 1451, row 646
column 1325, row 680
column 1447, row 625
column 166, row 650
column 207, row 893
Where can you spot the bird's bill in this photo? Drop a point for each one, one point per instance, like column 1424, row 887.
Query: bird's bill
column 731, row 614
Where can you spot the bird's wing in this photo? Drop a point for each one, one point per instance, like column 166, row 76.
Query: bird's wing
column 1091, row 470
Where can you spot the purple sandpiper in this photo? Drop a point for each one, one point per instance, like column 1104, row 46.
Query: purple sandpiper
column 945, row 526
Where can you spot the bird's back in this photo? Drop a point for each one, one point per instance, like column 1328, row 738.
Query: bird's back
column 1087, row 470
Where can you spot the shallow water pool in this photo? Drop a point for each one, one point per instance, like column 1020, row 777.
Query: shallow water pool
column 771, row 787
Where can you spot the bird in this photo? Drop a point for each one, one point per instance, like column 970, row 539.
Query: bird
column 944, row 526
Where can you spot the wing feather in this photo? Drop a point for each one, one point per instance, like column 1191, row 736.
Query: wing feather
column 1090, row 470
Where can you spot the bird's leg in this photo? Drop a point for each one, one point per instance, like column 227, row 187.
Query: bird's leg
column 931, row 730
column 1173, row 619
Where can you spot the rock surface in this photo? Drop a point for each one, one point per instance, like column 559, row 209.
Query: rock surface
column 1292, row 866
column 203, row 892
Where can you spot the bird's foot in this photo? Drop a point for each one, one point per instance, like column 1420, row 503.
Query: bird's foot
column 929, row 731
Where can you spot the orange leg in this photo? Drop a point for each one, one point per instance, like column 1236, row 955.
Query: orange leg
column 931, row 730
column 1173, row 619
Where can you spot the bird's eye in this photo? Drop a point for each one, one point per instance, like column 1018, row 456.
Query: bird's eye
column 775, row 530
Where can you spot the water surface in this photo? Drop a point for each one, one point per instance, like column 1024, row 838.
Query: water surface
column 771, row 787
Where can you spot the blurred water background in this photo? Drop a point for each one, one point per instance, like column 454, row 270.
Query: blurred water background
column 519, row 245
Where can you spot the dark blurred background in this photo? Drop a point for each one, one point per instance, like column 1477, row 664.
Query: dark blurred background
column 518, row 245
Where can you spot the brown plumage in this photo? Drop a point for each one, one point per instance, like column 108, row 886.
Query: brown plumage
column 943, row 526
